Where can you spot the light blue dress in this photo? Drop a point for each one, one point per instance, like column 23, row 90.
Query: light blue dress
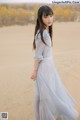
column 51, row 98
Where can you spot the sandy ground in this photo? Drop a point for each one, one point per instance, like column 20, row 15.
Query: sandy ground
column 16, row 64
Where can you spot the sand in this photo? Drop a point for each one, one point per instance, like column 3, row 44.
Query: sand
column 16, row 64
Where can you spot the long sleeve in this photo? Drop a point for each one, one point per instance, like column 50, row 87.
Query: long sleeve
column 40, row 45
column 39, row 50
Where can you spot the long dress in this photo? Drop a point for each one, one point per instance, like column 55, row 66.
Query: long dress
column 51, row 98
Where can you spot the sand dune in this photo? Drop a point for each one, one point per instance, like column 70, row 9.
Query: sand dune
column 16, row 64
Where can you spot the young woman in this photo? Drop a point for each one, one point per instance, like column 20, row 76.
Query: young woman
column 51, row 97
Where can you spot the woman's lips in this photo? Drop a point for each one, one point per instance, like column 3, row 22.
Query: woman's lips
column 49, row 23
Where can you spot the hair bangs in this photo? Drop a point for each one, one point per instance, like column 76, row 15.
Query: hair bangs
column 47, row 12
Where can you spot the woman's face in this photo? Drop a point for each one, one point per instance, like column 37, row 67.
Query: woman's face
column 47, row 20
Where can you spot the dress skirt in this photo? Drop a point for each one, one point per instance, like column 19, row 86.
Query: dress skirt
column 51, row 97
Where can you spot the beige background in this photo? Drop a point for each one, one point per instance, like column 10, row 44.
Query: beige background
column 16, row 64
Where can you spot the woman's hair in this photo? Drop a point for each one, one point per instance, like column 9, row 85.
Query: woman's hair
column 46, row 10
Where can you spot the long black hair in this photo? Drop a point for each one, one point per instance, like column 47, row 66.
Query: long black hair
column 46, row 10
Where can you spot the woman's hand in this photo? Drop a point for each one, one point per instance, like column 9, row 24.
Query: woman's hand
column 34, row 75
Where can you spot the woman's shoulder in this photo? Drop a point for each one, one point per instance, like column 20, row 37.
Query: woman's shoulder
column 45, row 34
column 46, row 37
column 45, row 31
column 37, row 35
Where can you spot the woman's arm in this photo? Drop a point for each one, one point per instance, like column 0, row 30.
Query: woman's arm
column 35, row 68
column 36, row 65
column 38, row 57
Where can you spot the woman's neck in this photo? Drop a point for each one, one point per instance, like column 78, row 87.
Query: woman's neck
column 47, row 29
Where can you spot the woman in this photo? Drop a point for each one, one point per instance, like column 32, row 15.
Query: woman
column 51, row 97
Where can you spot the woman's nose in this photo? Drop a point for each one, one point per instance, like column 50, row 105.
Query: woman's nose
column 49, row 19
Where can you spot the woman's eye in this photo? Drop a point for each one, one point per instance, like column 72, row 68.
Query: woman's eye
column 45, row 16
